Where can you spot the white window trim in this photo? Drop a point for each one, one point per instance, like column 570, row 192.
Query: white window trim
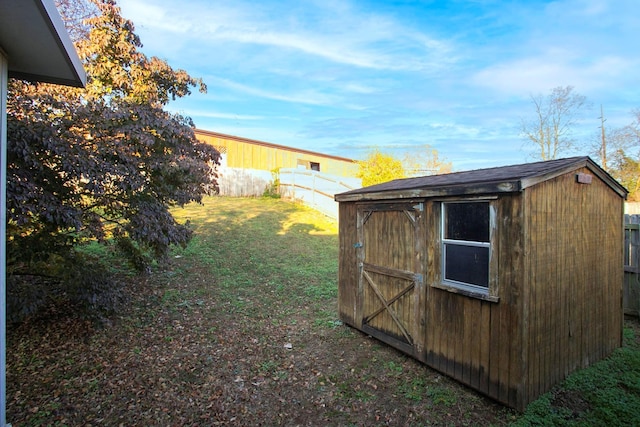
column 455, row 286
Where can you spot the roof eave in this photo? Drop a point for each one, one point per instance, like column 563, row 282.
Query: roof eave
column 585, row 162
column 608, row 179
column 433, row 192
column 30, row 77
column 37, row 45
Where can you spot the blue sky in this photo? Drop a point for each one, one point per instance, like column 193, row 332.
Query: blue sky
column 344, row 77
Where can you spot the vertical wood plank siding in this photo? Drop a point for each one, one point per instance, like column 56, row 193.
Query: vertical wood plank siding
column 389, row 241
column 559, row 256
column 348, row 265
column 476, row 341
column 573, row 278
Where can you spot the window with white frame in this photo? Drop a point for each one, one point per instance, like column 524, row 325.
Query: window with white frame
column 466, row 245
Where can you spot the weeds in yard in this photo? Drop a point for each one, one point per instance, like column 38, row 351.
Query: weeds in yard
column 170, row 297
column 606, row 393
column 270, row 248
column 268, row 367
column 414, row 389
column 393, row 367
column 441, row 395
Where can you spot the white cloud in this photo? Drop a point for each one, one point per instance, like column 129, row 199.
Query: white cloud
column 343, row 74
column 542, row 73
column 359, row 88
column 217, row 115
column 353, row 37
column 302, row 97
column 152, row 15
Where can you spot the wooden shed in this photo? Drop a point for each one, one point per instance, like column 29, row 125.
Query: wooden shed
column 506, row 279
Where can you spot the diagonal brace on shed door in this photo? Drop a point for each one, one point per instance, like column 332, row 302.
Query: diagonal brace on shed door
column 387, row 305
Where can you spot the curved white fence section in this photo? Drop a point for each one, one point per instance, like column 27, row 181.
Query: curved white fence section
column 315, row 189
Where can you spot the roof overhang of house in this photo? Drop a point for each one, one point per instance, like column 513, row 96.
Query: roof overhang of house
column 37, row 45
column 34, row 46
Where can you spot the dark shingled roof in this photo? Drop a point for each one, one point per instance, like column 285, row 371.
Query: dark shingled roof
column 498, row 179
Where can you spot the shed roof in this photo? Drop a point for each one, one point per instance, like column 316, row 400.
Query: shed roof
column 504, row 179
column 37, row 44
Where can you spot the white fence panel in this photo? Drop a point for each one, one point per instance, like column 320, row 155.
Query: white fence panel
column 632, row 208
column 237, row 182
column 315, row 189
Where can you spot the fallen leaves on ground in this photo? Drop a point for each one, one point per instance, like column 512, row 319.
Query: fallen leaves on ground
column 179, row 356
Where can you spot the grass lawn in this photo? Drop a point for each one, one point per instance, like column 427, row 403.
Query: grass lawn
column 240, row 328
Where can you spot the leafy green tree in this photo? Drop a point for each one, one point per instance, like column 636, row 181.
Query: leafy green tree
column 378, row 168
column 105, row 161
column 550, row 131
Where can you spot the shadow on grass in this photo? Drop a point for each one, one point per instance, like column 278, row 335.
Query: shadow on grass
column 282, row 256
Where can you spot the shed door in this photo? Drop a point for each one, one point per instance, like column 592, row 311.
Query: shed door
column 390, row 272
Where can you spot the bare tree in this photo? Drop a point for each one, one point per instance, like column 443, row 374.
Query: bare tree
column 425, row 160
column 75, row 14
column 604, row 142
column 555, row 115
column 624, row 163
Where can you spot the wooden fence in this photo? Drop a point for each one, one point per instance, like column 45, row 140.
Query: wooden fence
column 315, row 189
column 631, row 289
